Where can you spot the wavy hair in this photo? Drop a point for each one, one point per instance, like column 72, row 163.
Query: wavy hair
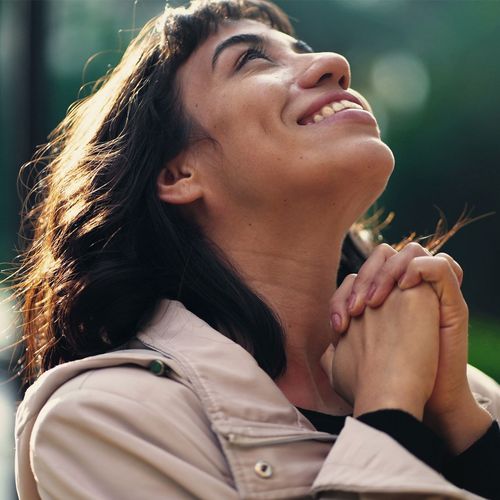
column 102, row 248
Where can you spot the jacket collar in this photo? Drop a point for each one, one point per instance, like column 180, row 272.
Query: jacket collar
column 236, row 393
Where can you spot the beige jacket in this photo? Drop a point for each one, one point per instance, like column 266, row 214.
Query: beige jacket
column 213, row 425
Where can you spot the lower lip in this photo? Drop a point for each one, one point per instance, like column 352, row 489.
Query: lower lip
column 353, row 115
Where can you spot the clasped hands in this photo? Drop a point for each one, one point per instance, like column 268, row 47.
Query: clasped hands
column 400, row 330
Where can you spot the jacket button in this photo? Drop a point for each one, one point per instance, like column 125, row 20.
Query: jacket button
column 158, row 367
column 263, row 469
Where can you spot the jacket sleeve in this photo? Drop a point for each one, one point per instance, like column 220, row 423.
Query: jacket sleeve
column 476, row 469
column 365, row 455
column 91, row 443
column 369, row 462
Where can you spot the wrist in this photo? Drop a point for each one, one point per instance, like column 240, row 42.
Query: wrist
column 373, row 402
column 462, row 426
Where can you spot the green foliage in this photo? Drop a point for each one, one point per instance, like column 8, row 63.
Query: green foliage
column 446, row 146
column 484, row 345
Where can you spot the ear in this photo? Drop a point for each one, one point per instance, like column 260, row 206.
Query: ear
column 178, row 182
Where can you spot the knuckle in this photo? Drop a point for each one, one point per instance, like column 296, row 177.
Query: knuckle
column 360, row 282
column 443, row 254
column 416, row 248
column 340, row 295
column 384, row 248
column 443, row 264
column 349, row 281
column 453, row 263
column 416, row 264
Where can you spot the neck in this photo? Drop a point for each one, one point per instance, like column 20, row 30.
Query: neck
column 296, row 277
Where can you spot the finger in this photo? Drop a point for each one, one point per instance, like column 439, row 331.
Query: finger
column 392, row 271
column 368, row 271
column 326, row 362
column 339, row 315
column 459, row 273
column 438, row 272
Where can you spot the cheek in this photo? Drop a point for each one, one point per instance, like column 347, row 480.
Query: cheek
column 249, row 109
column 251, row 147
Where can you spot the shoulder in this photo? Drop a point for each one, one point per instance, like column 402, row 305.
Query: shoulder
column 126, row 395
column 128, row 386
column 146, row 425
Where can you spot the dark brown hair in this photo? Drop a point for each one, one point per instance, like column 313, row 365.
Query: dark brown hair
column 103, row 249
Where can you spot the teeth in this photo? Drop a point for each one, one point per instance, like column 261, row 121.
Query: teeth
column 350, row 104
column 337, row 106
column 334, row 107
column 327, row 111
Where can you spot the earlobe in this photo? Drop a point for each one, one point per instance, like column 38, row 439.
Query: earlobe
column 178, row 182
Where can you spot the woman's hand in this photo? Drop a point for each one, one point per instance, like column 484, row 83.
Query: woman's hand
column 389, row 357
column 451, row 409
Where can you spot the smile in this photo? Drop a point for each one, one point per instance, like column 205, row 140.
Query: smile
column 330, row 110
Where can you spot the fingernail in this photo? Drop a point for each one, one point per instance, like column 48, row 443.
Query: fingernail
column 351, row 301
column 337, row 321
column 371, row 292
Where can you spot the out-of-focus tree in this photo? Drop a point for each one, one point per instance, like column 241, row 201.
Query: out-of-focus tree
column 430, row 70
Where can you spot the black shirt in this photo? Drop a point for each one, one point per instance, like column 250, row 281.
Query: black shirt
column 477, row 469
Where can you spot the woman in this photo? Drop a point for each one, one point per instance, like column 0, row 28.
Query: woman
column 180, row 290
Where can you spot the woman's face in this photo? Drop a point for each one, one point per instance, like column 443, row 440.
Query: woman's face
column 256, row 91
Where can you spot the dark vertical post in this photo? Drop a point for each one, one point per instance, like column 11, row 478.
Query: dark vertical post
column 28, row 106
column 23, row 127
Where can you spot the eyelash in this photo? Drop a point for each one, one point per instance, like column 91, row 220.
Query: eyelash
column 251, row 53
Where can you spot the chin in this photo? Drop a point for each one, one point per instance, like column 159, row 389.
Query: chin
column 375, row 164
column 379, row 161
column 361, row 172
column 364, row 161
column 352, row 171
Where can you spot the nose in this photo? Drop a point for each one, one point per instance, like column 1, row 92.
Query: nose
column 325, row 67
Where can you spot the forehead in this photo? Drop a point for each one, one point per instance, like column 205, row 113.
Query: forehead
column 200, row 84
column 202, row 56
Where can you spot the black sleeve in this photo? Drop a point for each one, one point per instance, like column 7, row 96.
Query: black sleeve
column 409, row 432
column 477, row 469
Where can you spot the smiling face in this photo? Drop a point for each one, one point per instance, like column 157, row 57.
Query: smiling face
column 258, row 94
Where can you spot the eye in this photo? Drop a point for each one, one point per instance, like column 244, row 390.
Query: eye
column 250, row 54
column 302, row 47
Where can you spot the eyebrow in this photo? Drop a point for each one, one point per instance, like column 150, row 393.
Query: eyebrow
column 254, row 40
column 246, row 38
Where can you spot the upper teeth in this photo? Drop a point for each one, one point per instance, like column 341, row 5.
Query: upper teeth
column 332, row 108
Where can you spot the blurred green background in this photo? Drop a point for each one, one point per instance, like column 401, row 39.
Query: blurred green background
column 430, row 68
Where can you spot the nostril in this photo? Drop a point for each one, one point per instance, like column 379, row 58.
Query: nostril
column 326, row 76
column 342, row 83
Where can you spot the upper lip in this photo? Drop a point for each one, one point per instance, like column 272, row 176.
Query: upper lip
column 328, row 99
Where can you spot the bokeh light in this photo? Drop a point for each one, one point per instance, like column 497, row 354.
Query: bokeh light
column 401, row 80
